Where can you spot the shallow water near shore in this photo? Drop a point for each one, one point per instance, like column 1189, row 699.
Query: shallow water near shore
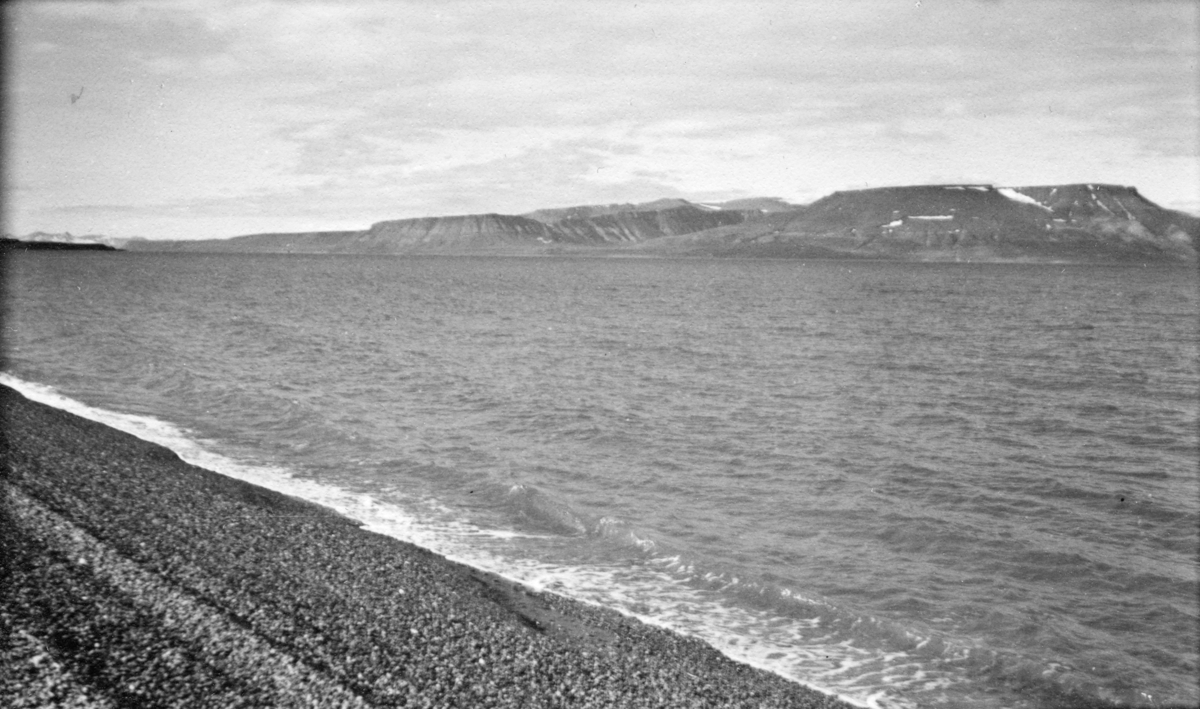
column 910, row 485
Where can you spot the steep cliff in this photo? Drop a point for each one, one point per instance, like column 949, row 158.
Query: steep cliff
column 455, row 232
column 643, row 225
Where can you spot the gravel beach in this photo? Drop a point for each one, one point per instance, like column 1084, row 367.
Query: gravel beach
column 132, row 579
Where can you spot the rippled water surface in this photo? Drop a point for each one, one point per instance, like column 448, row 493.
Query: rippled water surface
column 913, row 485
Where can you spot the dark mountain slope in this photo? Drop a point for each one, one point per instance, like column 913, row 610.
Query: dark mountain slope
column 962, row 222
column 1115, row 210
column 873, row 208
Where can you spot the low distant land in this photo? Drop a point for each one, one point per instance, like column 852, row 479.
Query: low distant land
column 10, row 244
column 1077, row 223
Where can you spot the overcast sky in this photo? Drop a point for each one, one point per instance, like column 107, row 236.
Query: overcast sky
column 210, row 119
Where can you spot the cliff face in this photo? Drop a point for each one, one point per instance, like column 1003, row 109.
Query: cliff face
column 478, row 229
column 642, row 225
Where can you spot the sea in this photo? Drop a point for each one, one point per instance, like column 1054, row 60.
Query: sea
column 909, row 485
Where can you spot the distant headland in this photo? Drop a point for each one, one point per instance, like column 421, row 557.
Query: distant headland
column 10, row 244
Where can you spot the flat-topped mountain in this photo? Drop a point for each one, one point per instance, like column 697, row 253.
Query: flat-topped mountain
column 1069, row 223
column 1104, row 223
column 881, row 207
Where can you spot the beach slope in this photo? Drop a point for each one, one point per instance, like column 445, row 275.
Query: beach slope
column 131, row 578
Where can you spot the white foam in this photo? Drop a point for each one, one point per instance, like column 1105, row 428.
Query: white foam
column 647, row 592
column 933, row 217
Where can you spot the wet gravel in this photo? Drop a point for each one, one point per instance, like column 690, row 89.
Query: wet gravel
column 130, row 578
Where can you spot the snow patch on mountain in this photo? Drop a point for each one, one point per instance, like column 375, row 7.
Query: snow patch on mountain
column 1022, row 198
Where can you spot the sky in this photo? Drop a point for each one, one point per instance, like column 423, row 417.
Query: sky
column 205, row 119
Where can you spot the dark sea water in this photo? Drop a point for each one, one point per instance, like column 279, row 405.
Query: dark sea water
column 912, row 485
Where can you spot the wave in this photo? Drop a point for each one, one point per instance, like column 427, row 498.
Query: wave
column 541, row 511
column 866, row 660
column 458, row 541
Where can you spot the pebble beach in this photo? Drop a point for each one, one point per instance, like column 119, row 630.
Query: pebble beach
column 131, row 578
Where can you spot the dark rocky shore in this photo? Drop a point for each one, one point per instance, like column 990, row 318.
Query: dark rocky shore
column 132, row 579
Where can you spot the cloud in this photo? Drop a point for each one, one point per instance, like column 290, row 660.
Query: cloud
column 92, row 209
column 409, row 108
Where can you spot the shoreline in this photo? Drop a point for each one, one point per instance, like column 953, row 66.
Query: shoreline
column 132, row 577
column 601, row 254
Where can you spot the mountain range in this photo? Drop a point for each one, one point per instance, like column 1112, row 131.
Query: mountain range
column 960, row 222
